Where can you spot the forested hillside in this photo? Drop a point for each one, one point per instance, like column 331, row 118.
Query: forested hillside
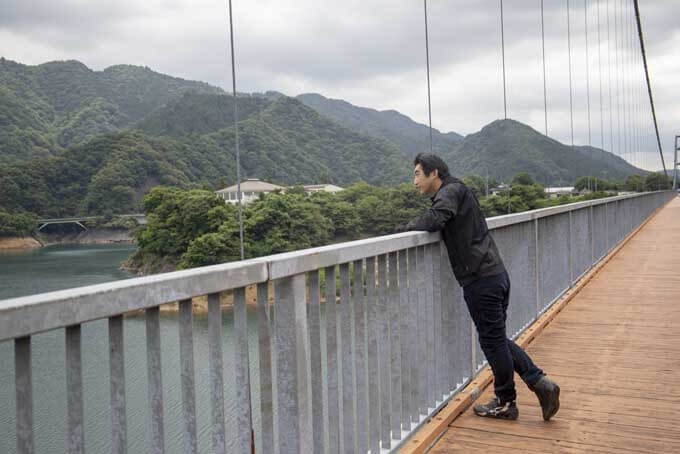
column 47, row 108
column 76, row 141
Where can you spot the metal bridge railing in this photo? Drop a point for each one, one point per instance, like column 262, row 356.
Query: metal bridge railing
column 357, row 375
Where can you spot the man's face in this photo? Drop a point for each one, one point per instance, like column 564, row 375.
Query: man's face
column 425, row 183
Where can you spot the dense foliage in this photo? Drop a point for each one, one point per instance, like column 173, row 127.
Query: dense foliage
column 507, row 147
column 390, row 125
column 193, row 228
column 47, row 108
column 18, row 224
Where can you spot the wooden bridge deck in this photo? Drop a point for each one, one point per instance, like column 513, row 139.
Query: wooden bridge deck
column 614, row 350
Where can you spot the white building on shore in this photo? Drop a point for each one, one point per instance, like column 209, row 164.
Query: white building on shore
column 250, row 190
column 253, row 187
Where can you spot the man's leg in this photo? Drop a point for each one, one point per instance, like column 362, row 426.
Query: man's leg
column 521, row 361
column 547, row 391
column 486, row 301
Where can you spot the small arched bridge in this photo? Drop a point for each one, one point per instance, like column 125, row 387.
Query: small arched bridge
column 42, row 223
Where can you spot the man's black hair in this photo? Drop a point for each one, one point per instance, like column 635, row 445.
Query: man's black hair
column 429, row 162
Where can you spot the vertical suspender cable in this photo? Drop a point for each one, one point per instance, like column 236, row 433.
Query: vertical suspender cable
column 585, row 17
column 505, row 101
column 238, row 158
column 427, row 62
column 629, row 86
column 649, row 86
column 599, row 73
column 609, row 71
column 545, row 91
column 571, row 101
column 624, row 79
column 618, row 76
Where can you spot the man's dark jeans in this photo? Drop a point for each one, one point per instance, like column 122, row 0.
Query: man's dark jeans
column 487, row 300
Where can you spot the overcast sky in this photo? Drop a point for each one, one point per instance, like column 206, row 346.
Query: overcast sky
column 372, row 54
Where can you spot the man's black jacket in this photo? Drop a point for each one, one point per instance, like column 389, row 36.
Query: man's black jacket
column 455, row 211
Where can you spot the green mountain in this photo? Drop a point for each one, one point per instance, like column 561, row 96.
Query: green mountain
column 411, row 137
column 76, row 141
column 504, row 148
column 47, row 108
column 282, row 141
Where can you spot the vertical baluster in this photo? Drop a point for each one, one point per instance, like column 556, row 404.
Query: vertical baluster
column 216, row 374
column 392, row 311
column 24, row 395
column 332, row 363
column 292, row 347
column 75, row 436
column 117, row 380
column 241, row 372
column 438, row 364
column 186, row 354
column 318, row 423
column 153, row 362
column 414, row 335
column 348, row 424
column 422, row 333
column 430, row 327
column 373, row 363
column 360, row 358
column 444, row 332
column 384, row 353
column 403, row 311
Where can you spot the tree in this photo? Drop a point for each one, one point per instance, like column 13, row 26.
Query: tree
column 634, row 183
column 476, row 184
column 657, row 182
column 285, row 222
column 522, row 178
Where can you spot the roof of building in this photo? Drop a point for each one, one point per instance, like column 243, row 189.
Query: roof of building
column 329, row 187
column 252, row 185
column 559, row 189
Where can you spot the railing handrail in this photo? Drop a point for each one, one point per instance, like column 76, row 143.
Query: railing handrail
column 28, row 315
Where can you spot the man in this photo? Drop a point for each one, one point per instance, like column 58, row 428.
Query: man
column 479, row 269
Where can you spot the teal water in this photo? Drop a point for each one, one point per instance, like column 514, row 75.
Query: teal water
column 59, row 267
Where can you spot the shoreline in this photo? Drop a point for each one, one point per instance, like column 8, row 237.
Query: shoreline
column 94, row 236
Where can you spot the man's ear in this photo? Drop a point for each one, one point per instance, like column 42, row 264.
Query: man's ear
column 436, row 173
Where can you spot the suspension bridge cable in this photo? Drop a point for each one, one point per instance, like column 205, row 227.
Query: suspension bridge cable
column 624, row 81
column 571, row 101
column 599, row 73
column 617, row 34
column 585, row 16
column 427, row 62
column 545, row 91
column 609, row 85
column 618, row 78
column 238, row 158
column 505, row 100
column 629, row 93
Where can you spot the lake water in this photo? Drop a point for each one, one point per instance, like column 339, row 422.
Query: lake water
column 59, row 267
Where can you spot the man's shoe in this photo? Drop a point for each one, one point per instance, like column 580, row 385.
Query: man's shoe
column 548, row 393
column 494, row 409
